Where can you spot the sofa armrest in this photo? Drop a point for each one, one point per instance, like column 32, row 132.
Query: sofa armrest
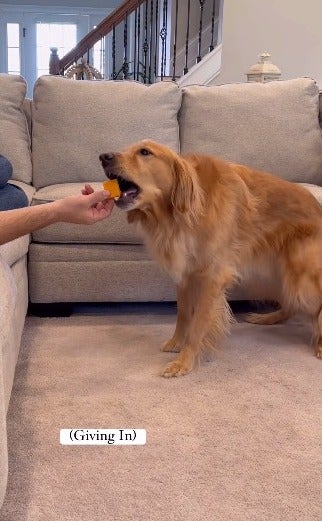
column 8, row 293
column 3, row 439
column 28, row 189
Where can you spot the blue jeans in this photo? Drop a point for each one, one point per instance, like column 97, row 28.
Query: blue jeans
column 12, row 197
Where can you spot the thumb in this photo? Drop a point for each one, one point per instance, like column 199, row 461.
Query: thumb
column 97, row 197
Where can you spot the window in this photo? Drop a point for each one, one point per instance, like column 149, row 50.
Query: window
column 60, row 35
column 13, row 48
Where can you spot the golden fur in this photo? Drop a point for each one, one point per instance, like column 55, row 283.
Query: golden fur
column 208, row 222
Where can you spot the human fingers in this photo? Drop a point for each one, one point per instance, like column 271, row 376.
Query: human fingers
column 109, row 205
column 102, row 210
column 88, row 189
column 97, row 197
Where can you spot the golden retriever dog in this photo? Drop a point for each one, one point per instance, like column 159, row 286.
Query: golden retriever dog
column 209, row 222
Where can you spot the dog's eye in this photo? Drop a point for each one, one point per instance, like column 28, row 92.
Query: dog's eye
column 145, row 152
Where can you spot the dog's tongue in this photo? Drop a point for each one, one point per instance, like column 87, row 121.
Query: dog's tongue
column 129, row 194
column 130, row 191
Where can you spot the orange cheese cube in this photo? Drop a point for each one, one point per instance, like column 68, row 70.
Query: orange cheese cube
column 113, row 187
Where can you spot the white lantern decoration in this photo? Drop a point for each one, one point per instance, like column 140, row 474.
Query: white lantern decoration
column 264, row 70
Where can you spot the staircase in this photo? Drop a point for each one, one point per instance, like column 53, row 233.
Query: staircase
column 149, row 41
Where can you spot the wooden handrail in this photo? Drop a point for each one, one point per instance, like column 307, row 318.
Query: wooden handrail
column 102, row 29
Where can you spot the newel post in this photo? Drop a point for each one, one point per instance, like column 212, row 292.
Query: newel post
column 54, row 61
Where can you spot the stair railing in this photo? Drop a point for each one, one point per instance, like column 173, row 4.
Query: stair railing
column 146, row 40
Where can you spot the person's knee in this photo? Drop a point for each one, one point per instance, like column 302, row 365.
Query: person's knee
column 11, row 196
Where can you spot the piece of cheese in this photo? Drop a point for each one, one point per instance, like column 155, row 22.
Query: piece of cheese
column 113, row 187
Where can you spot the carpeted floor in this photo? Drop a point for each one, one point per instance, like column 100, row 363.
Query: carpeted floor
column 238, row 439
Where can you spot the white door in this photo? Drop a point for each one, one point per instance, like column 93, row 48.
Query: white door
column 46, row 31
column 26, row 39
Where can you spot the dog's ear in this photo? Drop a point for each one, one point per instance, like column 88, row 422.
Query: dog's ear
column 186, row 193
column 182, row 192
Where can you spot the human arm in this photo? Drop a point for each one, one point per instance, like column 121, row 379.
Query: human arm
column 88, row 208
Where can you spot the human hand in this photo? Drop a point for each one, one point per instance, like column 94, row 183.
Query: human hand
column 101, row 205
column 88, row 208
column 88, row 189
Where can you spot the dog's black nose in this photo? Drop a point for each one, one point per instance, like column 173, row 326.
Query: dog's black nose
column 107, row 159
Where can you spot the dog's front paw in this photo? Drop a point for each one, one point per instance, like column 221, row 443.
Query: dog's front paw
column 172, row 346
column 318, row 352
column 177, row 368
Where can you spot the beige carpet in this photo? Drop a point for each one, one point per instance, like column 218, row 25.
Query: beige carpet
column 239, row 439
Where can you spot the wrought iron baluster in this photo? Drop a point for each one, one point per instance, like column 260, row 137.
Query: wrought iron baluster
column 156, row 50
column 211, row 47
column 139, row 45
column 166, row 34
column 145, row 43
column 125, row 66
column 113, row 54
column 175, row 44
column 185, row 70
column 154, row 54
column 135, row 42
column 202, row 3
column 151, row 42
column 163, row 35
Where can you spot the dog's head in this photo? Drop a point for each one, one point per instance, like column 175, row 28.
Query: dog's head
column 152, row 174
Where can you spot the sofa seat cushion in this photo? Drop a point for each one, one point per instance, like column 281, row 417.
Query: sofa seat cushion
column 96, row 273
column 114, row 229
column 88, row 253
column 14, row 132
column 88, row 118
column 12, row 251
column 272, row 126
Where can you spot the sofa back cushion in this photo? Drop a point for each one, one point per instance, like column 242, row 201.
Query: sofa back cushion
column 272, row 127
column 75, row 121
column 14, row 133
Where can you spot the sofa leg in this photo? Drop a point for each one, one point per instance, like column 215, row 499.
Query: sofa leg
column 55, row 309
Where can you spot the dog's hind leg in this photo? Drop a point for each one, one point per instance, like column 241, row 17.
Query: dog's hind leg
column 302, row 289
column 274, row 317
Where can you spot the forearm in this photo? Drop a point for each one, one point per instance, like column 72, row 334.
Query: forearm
column 88, row 208
column 15, row 223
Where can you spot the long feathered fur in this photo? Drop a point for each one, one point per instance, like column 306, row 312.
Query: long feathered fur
column 210, row 223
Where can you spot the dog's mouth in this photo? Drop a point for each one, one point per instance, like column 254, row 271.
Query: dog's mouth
column 129, row 190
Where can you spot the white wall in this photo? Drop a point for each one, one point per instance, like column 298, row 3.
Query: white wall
column 290, row 30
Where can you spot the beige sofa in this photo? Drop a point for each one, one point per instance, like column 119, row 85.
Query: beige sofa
column 274, row 127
